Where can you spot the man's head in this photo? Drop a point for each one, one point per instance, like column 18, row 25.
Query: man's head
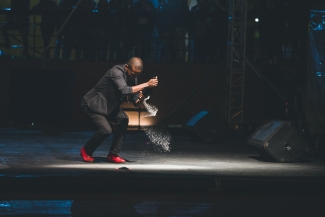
column 133, row 67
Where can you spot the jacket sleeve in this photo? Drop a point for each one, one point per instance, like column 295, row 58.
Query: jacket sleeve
column 117, row 77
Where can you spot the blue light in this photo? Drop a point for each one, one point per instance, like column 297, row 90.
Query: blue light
column 16, row 46
column 25, row 176
column 5, row 204
column 197, row 117
column 317, row 11
column 317, row 20
column 320, row 74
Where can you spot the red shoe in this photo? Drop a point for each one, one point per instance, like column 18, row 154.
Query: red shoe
column 85, row 156
column 114, row 158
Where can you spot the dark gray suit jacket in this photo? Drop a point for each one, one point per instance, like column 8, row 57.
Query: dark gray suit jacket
column 110, row 91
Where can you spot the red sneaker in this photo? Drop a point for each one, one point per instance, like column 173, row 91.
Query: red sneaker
column 85, row 156
column 114, row 158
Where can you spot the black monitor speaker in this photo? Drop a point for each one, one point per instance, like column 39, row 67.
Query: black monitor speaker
column 280, row 141
column 206, row 126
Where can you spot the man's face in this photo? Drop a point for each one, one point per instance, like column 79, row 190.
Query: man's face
column 132, row 72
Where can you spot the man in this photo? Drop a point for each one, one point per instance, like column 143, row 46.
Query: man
column 102, row 106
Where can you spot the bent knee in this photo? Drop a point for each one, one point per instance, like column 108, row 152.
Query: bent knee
column 105, row 131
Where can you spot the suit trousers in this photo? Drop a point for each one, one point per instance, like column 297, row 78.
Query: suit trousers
column 116, row 123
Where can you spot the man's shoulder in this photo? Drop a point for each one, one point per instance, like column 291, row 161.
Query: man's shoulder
column 116, row 69
column 119, row 67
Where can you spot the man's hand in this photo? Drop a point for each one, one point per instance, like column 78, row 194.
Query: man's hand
column 140, row 99
column 153, row 82
column 140, row 96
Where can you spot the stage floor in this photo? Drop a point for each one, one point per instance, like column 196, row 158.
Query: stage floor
column 44, row 169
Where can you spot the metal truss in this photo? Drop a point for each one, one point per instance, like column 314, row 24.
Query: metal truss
column 236, row 59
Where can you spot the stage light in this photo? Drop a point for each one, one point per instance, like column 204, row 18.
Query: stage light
column 138, row 118
column 157, row 167
column 215, row 166
column 133, row 118
column 257, row 20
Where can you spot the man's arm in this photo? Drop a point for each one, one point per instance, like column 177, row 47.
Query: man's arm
column 140, row 87
column 150, row 84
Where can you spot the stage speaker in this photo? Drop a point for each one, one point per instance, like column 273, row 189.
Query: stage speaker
column 279, row 141
column 206, row 126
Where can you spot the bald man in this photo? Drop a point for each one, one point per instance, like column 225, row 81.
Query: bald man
column 102, row 105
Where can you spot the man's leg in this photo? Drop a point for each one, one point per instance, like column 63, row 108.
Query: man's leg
column 121, row 121
column 103, row 130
